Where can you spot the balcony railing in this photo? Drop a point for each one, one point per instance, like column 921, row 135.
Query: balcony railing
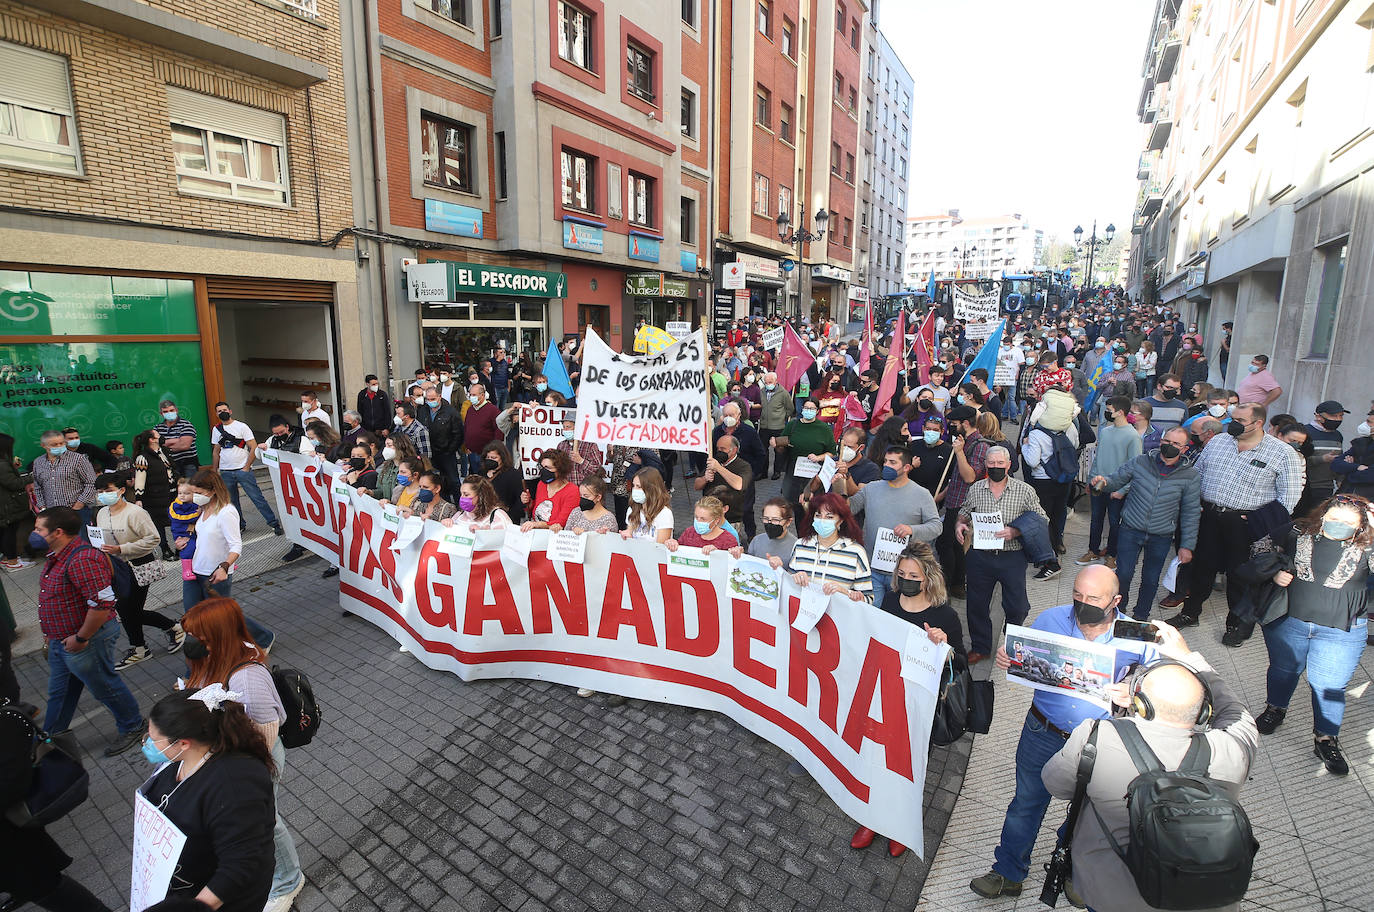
column 307, row 8
column 1148, row 162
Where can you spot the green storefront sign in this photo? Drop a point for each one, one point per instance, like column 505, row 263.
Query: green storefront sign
column 107, row 388
column 476, row 278
column 655, row 285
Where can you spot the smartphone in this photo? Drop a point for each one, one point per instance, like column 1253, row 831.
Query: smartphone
column 1136, row 630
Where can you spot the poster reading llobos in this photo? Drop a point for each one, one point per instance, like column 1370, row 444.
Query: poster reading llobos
column 835, row 693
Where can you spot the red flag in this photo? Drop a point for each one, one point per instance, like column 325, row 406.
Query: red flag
column 794, row 358
column 866, row 345
column 882, row 405
column 924, row 348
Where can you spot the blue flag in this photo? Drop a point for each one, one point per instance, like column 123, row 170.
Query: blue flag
column 987, row 355
column 1095, row 383
column 557, row 372
column 930, row 286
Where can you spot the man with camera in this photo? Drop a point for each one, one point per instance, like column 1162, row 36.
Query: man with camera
column 1170, row 705
column 234, row 450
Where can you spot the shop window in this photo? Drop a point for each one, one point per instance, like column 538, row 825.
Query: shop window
column 763, row 107
column 785, row 122
column 641, row 200
column 446, row 153
column 687, row 221
column 579, row 180
column 761, row 195
column 575, row 35
column 1328, row 297
column 639, row 69
column 228, row 150
column 37, row 123
column 689, row 113
column 766, row 18
column 457, row 10
column 788, row 31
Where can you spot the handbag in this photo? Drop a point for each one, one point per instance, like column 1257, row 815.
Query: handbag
column 952, row 707
column 147, row 570
column 980, row 708
column 59, row 782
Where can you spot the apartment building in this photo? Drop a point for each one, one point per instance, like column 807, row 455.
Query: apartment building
column 969, row 248
column 1257, row 187
column 176, row 181
column 887, row 125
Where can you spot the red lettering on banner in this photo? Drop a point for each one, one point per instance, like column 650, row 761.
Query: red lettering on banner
column 881, row 672
column 645, row 433
column 486, row 567
column 821, row 663
column 446, row 613
column 747, row 630
column 545, row 585
column 623, row 579
column 707, row 640
column 315, row 508
column 377, row 565
column 291, row 496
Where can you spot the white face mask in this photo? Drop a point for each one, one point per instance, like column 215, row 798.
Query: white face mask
column 1216, row 411
column 200, row 500
column 396, row 421
column 372, row 387
column 307, row 446
column 638, row 495
column 1363, row 429
column 847, row 454
column 388, row 453
column 729, row 421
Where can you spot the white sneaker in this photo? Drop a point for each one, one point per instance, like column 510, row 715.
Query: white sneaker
column 283, row 902
column 176, row 637
column 133, row 657
column 585, row 692
column 14, row 566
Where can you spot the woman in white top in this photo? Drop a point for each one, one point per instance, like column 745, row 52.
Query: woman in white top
column 650, row 515
column 218, row 545
column 131, row 534
column 478, row 505
column 1146, row 359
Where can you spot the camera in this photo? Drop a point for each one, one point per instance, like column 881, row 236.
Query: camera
column 1136, row 630
column 1057, row 871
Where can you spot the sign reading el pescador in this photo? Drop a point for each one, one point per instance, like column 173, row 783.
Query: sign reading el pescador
column 442, row 281
column 833, row 686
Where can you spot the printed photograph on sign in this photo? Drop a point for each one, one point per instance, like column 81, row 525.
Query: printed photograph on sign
column 1060, row 664
column 754, row 580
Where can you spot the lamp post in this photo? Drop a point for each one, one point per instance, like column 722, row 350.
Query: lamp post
column 1093, row 243
column 799, row 237
column 963, row 257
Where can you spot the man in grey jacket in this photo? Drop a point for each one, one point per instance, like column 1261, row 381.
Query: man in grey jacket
column 1164, row 495
column 1100, row 877
column 896, row 503
column 777, row 410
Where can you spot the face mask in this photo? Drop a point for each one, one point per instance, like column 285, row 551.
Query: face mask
column 770, row 386
column 305, row 406
column 1088, row 615
column 358, row 463
column 307, row 446
column 1235, row 429
column 541, row 387
column 58, row 450
column 37, row 542
column 889, row 473
column 1254, row 368
column 433, row 377
column 586, row 504
column 107, row 498
column 1338, row 531
column 433, row 404
column 154, row 755
column 1363, row 429
column 419, row 400
column 1070, row 365
column 1121, row 365
column 475, row 400
column 1168, row 450
column 424, row 496
column 749, row 379
column 909, row 587
column 926, row 404
column 1331, row 423
column 169, row 416
column 1216, row 411
column 774, row 530
column 466, row 503
column 1132, row 420
column 547, row 476
column 388, row 453
column 808, row 414
column 567, row 434
column 729, row 421
column 997, row 473
column 194, row 649
column 1100, row 345
column 701, row 527
column 444, row 378
column 847, row 454
column 396, row 421
column 930, row 437
column 403, row 479
column 1187, row 348
column 224, row 416
column 372, row 387
column 824, row 527
column 638, row 495
column 961, row 399
column 1168, row 393
column 200, row 500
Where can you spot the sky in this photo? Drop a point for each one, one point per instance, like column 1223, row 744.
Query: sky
column 1024, row 106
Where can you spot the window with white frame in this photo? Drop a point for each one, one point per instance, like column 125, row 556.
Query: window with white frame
column 575, row 35
column 446, row 153
column 761, row 195
column 788, row 30
column 37, row 122
column 784, row 201
column 579, row 188
column 640, row 200
column 226, row 149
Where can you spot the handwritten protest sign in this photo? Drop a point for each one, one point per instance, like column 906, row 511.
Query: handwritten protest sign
column 541, row 428
column 975, row 308
column 157, row 849
column 986, row 529
column 657, row 400
column 772, row 339
column 887, row 549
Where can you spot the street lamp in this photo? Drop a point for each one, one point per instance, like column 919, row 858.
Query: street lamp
column 963, row 257
column 1094, row 242
column 800, row 236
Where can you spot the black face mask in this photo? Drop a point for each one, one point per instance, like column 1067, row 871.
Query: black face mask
column 194, row 649
column 492, row 463
column 586, row 504
column 1168, row 393
column 927, row 404
column 722, row 457
column 1088, row 615
column 225, row 416
column 997, row 473
column 546, row 476
column 1168, row 450
column 1331, row 423
column 909, row 587
column 358, row 463
column 1235, row 428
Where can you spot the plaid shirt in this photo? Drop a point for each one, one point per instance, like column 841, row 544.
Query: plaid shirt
column 976, row 451
column 75, row 579
column 1249, row 479
column 1016, row 499
column 419, row 435
column 591, row 460
column 60, row 483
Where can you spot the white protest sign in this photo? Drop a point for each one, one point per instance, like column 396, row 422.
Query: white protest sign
column 157, row 849
column 754, row 580
column 827, row 472
column 805, row 468
column 772, row 339
column 887, row 549
column 732, row 276
column 985, row 529
column 977, row 332
column 1170, row 578
column 96, row 536
column 541, row 428
column 678, row 329
column 516, row 547
column 813, row 605
column 657, row 400
column 411, row 527
column 975, row 308
column 568, row 547
column 458, row 541
column 689, row 563
column 923, row 663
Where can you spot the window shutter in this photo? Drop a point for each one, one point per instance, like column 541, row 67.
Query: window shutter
column 210, row 113
column 35, row 79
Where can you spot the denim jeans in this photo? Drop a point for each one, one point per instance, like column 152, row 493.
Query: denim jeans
column 882, row 585
column 1329, row 655
column 195, row 591
column 71, row 672
column 502, row 397
column 235, row 477
column 1108, row 508
column 286, row 868
column 1156, row 547
column 1027, row 809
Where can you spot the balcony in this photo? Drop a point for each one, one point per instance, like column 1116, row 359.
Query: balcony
column 1139, row 225
column 1159, row 133
column 1151, row 197
column 1166, row 57
column 308, row 9
column 1148, row 162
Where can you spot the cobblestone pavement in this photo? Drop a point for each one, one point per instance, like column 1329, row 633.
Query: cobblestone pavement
column 423, row 792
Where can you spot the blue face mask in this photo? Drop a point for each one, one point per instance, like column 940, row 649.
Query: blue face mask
column 1254, row 369
column 169, row 416
column 1337, row 530
column 153, row 754
column 701, row 527
column 73, row 443
column 541, row 387
column 58, row 450
column 931, row 437
column 824, row 527
column 107, row 498
column 424, row 495
column 808, row 414
column 37, row 542
column 403, row 480
column 889, row 473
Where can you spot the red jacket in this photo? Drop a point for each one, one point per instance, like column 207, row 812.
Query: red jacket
column 479, row 427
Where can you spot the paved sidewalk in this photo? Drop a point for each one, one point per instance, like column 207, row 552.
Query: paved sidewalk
column 423, row 792
column 1313, row 828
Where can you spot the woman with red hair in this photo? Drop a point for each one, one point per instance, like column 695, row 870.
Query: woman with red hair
column 220, row 651
column 830, row 550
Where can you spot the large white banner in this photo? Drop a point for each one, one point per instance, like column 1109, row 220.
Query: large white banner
column 975, row 308
column 845, row 688
column 657, row 400
column 541, row 428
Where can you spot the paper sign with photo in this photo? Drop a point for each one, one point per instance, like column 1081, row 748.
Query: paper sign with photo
column 755, row 581
column 1060, row 664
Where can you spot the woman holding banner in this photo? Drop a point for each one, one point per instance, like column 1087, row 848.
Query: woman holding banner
column 591, row 514
column 650, row 515
column 830, row 550
column 555, row 496
column 708, row 530
column 478, row 505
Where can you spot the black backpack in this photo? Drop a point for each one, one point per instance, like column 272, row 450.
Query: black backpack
column 18, row 738
column 1190, row 844
column 297, row 699
column 1062, row 463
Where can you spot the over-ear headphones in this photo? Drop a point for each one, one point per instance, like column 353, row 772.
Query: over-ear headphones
column 1146, row 710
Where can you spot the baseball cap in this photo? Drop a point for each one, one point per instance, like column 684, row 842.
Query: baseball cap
column 1331, row 407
